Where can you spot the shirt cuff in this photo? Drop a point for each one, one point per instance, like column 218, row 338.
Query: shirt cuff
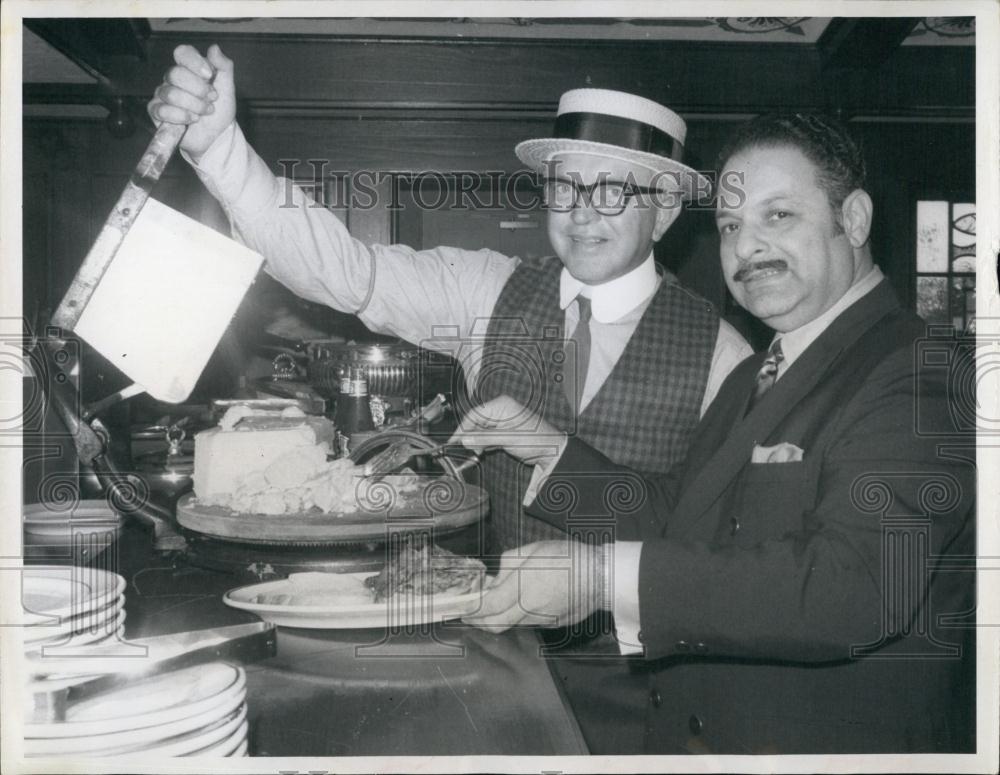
column 540, row 473
column 235, row 175
column 214, row 156
column 625, row 575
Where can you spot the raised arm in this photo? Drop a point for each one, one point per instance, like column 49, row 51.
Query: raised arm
column 394, row 289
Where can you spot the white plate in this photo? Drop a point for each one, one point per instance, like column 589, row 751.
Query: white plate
column 90, row 524
column 225, row 747
column 99, row 626
column 156, row 701
column 72, row 679
column 137, row 739
column 118, row 634
column 85, row 512
column 186, row 744
column 65, row 645
column 63, row 628
column 407, row 611
column 36, row 636
column 50, row 593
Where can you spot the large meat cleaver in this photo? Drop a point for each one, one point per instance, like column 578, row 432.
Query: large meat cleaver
column 157, row 289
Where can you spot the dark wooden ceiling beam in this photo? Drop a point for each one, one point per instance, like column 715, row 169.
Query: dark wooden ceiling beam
column 327, row 77
column 323, row 75
column 404, row 74
column 862, row 42
column 933, row 81
column 97, row 46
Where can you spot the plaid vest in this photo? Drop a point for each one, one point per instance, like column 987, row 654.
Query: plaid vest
column 642, row 416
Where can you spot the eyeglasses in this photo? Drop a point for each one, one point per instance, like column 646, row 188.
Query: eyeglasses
column 604, row 197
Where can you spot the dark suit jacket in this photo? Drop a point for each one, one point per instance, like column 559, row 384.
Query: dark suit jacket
column 804, row 606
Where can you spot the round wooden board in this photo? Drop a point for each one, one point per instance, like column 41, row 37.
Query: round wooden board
column 442, row 504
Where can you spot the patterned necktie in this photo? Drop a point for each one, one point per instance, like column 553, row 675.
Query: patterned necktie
column 768, row 373
column 578, row 352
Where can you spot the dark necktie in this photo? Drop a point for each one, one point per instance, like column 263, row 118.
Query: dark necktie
column 578, row 353
column 768, row 373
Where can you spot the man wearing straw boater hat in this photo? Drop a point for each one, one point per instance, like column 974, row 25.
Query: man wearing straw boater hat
column 601, row 343
column 651, row 355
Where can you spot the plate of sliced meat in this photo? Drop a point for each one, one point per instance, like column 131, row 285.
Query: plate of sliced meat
column 418, row 586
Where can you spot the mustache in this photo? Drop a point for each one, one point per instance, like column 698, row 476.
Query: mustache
column 746, row 270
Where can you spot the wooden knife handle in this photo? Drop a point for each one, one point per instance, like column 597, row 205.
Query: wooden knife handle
column 159, row 151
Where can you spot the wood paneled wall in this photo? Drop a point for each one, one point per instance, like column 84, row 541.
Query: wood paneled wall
column 369, row 75
column 417, row 105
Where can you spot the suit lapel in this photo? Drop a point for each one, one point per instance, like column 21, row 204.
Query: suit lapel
column 734, row 452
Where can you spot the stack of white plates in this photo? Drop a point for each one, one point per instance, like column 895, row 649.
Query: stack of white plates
column 66, row 609
column 197, row 711
column 82, row 533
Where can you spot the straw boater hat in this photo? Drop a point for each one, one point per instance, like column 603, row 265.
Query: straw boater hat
column 621, row 126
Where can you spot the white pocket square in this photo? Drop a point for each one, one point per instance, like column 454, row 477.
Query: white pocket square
column 779, row 453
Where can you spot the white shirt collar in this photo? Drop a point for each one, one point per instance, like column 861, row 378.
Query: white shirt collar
column 794, row 343
column 614, row 299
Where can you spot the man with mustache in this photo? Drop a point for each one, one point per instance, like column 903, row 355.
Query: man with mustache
column 786, row 588
column 655, row 352
column 600, row 342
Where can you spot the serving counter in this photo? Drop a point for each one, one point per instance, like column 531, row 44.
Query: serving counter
column 444, row 689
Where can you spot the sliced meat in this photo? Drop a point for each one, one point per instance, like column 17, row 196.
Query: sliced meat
column 424, row 571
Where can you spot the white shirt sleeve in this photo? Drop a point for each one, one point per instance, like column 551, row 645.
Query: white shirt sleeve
column 396, row 290
column 296, row 237
column 730, row 349
column 625, row 577
column 623, row 574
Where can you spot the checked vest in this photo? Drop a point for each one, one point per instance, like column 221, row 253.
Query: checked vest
column 642, row 417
